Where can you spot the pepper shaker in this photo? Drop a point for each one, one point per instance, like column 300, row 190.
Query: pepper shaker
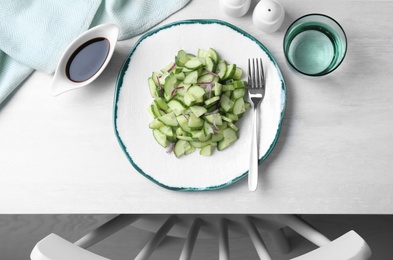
column 268, row 15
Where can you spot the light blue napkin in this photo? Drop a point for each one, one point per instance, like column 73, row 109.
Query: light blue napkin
column 34, row 34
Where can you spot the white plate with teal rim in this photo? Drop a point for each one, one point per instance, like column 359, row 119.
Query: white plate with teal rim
column 193, row 172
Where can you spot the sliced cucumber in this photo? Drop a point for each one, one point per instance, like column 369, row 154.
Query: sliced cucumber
column 238, row 73
column 201, row 136
column 247, row 105
column 181, row 147
column 238, row 93
column 198, row 144
column 206, row 78
column 176, row 106
column 213, row 54
column 232, row 125
column 154, row 111
column 155, row 124
column 207, row 150
column 228, row 87
column 183, row 123
column 180, row 75
column 210, row 64
column 181, row 58
column 217, row 89
column 214, row 119
column 217, row 137
column 152, row 88
column 193, row 64
column 231, row 116
column 230, row 136
column 168, row 67
column 160, row 138
column 197, row 92
column 190, row 55
column 202, row 53
column 227, row 119
column 185, row 138
column 212, row 101
column 224, row 143
column 156, row 77
column 191, row 77
column 231, row 69
column 167, row 130
column 239, row 84
column 238, row 107
column 197, row 102
column 161, row 104
column 186, row 71
column 190, row 150
column 226, row 103
column 221, row 69
column 195, row 122
column 169, row 86
column 198, row 110
column 189, row 99
column 179, row 131
column 169, row 119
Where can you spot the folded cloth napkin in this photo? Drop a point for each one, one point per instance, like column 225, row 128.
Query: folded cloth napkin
column 34, row 34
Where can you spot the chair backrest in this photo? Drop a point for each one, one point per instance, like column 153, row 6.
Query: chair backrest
column 349, row 246
column 54, row 247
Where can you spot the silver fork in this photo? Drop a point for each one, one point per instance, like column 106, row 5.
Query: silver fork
column 256, row 91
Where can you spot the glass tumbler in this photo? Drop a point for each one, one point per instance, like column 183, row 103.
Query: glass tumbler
column 315, row 45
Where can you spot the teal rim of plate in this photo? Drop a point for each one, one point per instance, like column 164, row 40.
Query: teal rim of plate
column 119, row 84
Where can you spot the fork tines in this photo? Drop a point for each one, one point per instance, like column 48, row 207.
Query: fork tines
column 256, row 77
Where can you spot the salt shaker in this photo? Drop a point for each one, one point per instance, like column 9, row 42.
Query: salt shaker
column 235, row 8
column 268, row 15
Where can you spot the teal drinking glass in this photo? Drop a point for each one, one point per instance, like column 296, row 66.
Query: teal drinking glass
column 315, row 44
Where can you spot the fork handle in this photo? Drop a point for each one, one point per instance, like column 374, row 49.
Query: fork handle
column 253, row 171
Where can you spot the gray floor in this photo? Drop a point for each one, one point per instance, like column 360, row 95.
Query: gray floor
column 19, row 233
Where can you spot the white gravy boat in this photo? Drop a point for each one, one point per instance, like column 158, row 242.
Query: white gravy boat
column 63, row 81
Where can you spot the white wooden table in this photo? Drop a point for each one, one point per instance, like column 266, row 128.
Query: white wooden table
column 334, row 154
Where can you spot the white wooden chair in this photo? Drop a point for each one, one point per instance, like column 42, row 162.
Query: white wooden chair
column 349, row 246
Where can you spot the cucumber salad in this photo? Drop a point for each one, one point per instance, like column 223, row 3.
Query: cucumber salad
column 197, row 101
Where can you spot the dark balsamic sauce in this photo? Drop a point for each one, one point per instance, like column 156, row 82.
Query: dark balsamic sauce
column 87, row 59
